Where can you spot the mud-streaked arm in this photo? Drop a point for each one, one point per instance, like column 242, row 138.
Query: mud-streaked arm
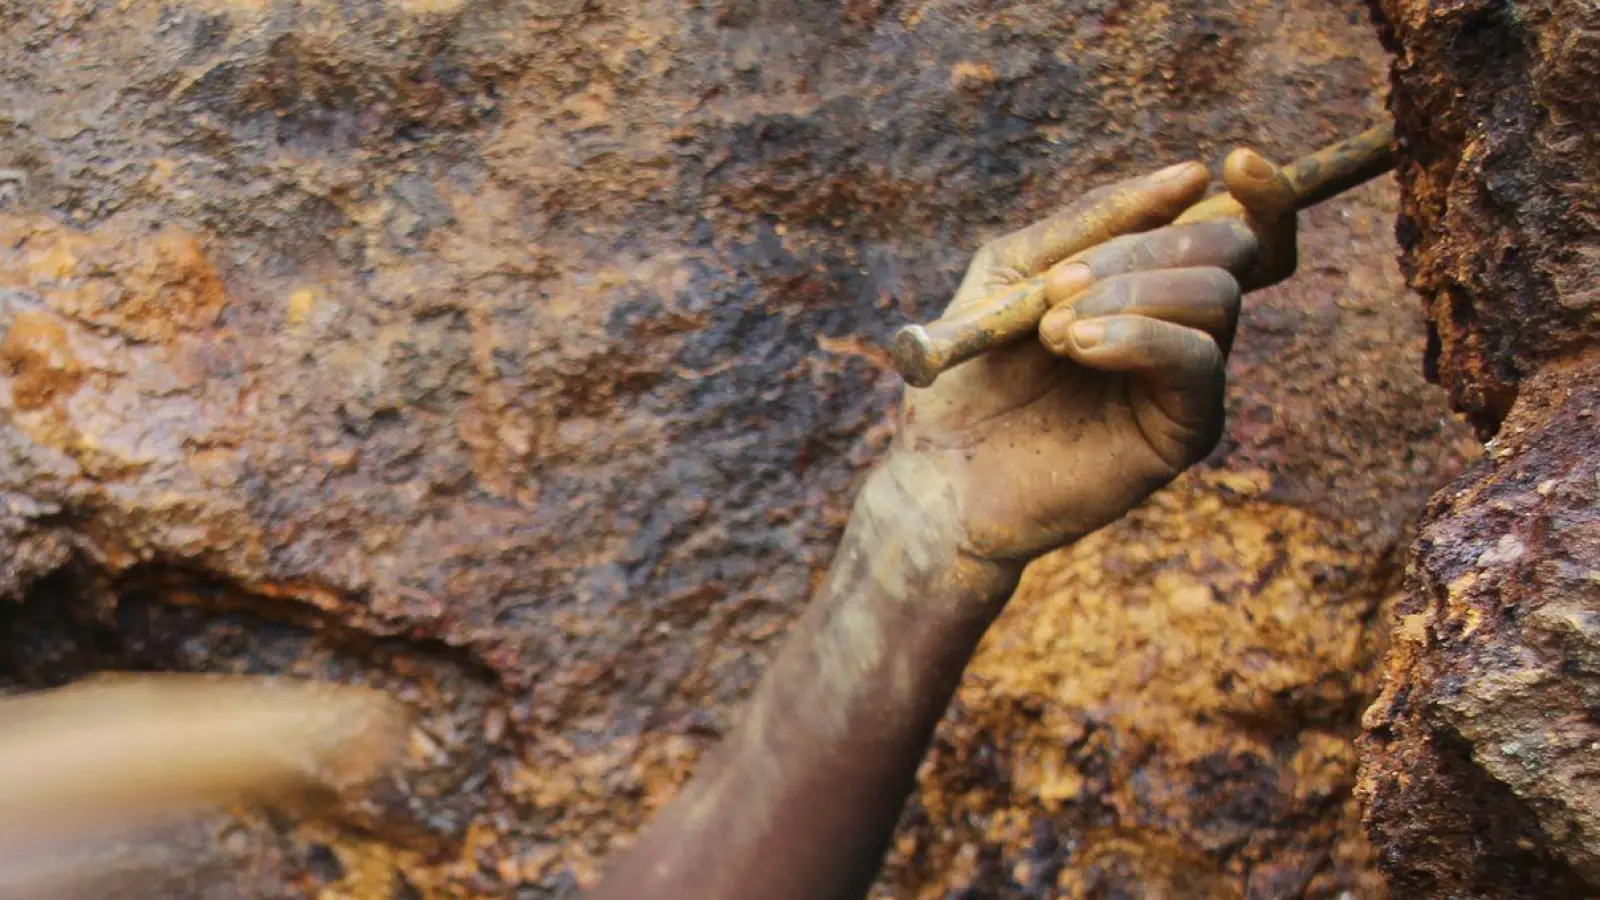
column 1010, row 455
column 800, row 801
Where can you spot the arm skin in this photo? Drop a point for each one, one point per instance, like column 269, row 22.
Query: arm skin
column 1006, row 457
column 804, row 795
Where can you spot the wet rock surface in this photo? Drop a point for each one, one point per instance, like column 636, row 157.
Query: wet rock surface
column 522, row 358
column 1477, row 762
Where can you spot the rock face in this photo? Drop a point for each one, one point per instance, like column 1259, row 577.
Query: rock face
column 1496, row 113
column 1480, row 755
column 521, row 357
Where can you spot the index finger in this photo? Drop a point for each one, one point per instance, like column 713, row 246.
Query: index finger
column 1137, row 204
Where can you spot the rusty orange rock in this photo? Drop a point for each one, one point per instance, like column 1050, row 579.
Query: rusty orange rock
column 165, row 286
column 1478, row 759
column 581, row 376
column 36, row 351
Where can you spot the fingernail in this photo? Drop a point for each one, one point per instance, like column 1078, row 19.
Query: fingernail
column 1171, row 172
column 1088, row 334
column 1257, row 168
column 1056, row 330
column 1066, row 281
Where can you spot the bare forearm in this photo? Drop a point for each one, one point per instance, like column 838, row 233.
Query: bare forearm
column 1006, row 457
column 800, row 802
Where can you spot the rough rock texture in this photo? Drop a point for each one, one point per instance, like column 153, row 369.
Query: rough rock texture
column 1480, row 761
column 1483, row 750
column 522, row 357
column 1497, row 111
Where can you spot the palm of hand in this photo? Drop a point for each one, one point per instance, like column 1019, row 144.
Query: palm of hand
column 1024, row 432
column 1048, row 440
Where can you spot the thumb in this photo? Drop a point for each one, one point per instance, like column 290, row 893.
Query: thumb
column 1269, row 202
column 1263, row 189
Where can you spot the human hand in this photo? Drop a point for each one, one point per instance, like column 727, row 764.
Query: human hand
column 1044, row 441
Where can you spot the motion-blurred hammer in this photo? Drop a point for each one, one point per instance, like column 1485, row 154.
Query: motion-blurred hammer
column 121, row 757
column 922, row 352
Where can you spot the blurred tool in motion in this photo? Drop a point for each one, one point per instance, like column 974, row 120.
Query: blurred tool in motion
column 122, row 757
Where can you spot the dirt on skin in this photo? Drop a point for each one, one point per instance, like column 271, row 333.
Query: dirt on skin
column 1479, row 759
column 522, row 358
column 1167, row 709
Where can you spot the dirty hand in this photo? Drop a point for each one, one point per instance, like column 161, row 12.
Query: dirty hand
column 1006, row 456
column 1045, row 441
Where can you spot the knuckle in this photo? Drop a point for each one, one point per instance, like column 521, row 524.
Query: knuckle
column 1133, row 332
column 1148, row 252
column 1230, row 245
column 1130, row 291
column 1223, row 232
column 1219, row 284
column 1166, row 248
column 1106, row 297
column 1114, row 257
